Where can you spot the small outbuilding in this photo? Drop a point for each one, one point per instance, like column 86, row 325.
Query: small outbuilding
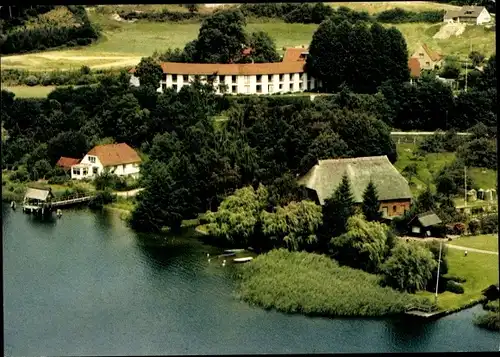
column 37, row 197
column 425, row 225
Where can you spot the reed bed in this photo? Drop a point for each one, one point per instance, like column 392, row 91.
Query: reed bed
column 312, row 284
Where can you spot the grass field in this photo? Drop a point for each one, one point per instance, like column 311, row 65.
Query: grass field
column 30, row 92
column 374, row 7
column 430, row 165
column 123, row 43
column 480, row 270
column 483, row 242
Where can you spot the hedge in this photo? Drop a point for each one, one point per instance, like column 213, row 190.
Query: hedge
column 454, row 287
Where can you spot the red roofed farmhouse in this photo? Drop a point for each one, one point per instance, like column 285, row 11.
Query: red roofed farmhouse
column 242, row 78
column 67, row 162
column 427, row 58
column 119, row 159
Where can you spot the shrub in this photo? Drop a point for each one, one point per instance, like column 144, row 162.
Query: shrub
column 459, row 229
column 454, row 287
column 474, row 226
column 399, row 15
column 490, row 321
column 31, row 81
column 20, row 175
column 489, row 224
column 492, row 306
column 101, row 198
column 455, row 278
column 58, row 180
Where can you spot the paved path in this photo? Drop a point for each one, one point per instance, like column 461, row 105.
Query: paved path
column 471, row 249
column 130, row 193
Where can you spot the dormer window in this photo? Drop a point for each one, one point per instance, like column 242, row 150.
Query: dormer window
column 92, row 159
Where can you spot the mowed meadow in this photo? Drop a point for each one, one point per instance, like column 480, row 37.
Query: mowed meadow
column 123, row 43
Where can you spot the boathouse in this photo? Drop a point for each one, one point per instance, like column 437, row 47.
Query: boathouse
column 36, row 199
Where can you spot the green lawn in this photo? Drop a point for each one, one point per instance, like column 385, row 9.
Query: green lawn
column 480, row 270
column 123, row 43
column 483, row 242
column 30, row 92
column 429, row 165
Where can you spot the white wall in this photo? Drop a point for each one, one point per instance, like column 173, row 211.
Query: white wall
column 292, row 82
column 484, row 17
column 119, row 170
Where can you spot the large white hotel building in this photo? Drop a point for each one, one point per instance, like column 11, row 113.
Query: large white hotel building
column 249, row 78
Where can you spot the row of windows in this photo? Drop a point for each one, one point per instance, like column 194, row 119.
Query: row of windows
column 258, row 88
column 233, row 79
column 84, row 171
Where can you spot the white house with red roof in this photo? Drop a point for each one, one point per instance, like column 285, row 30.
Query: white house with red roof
column 242, row 78
column 119, row 159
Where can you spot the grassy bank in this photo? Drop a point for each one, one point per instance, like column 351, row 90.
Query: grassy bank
column 480, row 271
column 483, row 242
column 315, row 285
column 30, row 92
column 124, row 43
column 15, row 190
column 375, row 7
column 430, row 164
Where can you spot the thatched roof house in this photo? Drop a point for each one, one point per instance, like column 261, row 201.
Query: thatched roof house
column 393, row 189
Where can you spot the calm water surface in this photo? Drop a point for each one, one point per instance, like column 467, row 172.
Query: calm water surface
column 88, row 285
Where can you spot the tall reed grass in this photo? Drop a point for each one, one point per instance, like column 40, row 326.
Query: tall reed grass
column 299, row 282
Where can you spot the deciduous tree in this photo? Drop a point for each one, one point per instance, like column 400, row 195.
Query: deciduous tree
column 409, row 267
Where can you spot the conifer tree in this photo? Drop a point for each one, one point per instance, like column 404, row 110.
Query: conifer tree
column 371, row 205
column 336, row 211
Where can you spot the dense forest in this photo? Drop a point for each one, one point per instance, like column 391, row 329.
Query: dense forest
column 18, row 38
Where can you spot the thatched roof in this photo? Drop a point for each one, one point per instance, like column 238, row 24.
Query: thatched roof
column 427, row 219
column 325, row 177
column 37, row 194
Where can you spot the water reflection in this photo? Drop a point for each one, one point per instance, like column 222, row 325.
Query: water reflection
column 406, row 330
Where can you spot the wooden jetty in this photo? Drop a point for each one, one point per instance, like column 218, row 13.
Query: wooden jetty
column 42, row 202
column 421, row 313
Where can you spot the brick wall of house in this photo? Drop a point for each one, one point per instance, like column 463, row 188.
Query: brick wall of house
column 395, row 208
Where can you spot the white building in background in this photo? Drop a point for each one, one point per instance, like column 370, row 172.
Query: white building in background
column 118, row 159
column 474, row 15
column 248, row 78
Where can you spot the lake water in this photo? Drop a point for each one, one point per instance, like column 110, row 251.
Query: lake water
column 86, row 284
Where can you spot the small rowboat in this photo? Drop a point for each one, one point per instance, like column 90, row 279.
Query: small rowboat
column 242, row 260
column 227, row 255
column 234, row 250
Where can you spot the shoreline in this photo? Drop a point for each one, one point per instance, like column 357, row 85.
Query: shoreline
column 123, row 213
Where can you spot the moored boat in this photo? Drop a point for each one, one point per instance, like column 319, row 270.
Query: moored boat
column 234, row 250
column 242, row 260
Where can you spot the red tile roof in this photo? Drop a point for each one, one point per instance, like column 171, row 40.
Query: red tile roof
column 294, row 54
column 67, row 162
column 292, row 63
column 433, row 55
column 232, row 69
column 414, row 66
column 115, row 154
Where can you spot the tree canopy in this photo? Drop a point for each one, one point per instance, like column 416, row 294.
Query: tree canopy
column 363, row 56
